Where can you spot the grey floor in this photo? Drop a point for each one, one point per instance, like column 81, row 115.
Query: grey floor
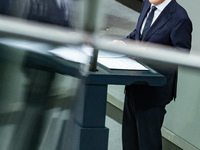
column 114, row 134
column 119, row 20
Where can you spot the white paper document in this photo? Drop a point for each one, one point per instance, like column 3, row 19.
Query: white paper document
column 74, row 53
column 123, row 63
column 111, row 60
column 106, row 54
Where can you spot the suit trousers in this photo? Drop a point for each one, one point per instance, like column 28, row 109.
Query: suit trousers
column 141, row 127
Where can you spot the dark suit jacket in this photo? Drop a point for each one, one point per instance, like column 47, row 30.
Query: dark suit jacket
column 173, row 27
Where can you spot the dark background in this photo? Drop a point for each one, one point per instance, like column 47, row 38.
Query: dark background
column 133, row 4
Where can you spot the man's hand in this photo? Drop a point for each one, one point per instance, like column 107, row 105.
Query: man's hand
column 117, row 42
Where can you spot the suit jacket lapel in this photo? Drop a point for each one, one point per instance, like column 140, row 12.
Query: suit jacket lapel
column 164, row 17
column 142, row 17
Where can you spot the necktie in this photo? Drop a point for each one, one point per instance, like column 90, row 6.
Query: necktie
column 148, row 22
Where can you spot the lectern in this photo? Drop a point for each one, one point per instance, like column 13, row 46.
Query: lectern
column 85, row 130
column 87, row 125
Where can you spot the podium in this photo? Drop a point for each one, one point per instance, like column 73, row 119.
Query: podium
column 88, row 131
column 86, row 128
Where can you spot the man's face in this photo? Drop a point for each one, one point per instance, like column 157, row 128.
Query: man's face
column 156, row 2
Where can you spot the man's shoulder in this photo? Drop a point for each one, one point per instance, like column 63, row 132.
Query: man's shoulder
column 146, row 2
column 181, row 12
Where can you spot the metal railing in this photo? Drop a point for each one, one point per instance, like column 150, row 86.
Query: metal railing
column 54, row 34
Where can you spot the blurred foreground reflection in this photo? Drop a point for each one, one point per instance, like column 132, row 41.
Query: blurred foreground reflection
column 56, row 12
column 35, row 98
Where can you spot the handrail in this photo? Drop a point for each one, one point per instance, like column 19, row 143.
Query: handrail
column 151, row 51
column 60, row 35
column 22, row 28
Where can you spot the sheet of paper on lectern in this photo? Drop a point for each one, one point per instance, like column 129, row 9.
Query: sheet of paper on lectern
column 106, row 54
column 74, row 53
column 123, row 63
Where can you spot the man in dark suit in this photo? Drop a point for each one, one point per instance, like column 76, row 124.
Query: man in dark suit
column 144, row 107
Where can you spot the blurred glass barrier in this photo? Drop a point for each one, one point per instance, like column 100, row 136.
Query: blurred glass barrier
column 87, row 15
column 54, row 12
column 36, row 94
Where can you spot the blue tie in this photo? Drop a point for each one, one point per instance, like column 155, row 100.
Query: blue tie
column 148, row 22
